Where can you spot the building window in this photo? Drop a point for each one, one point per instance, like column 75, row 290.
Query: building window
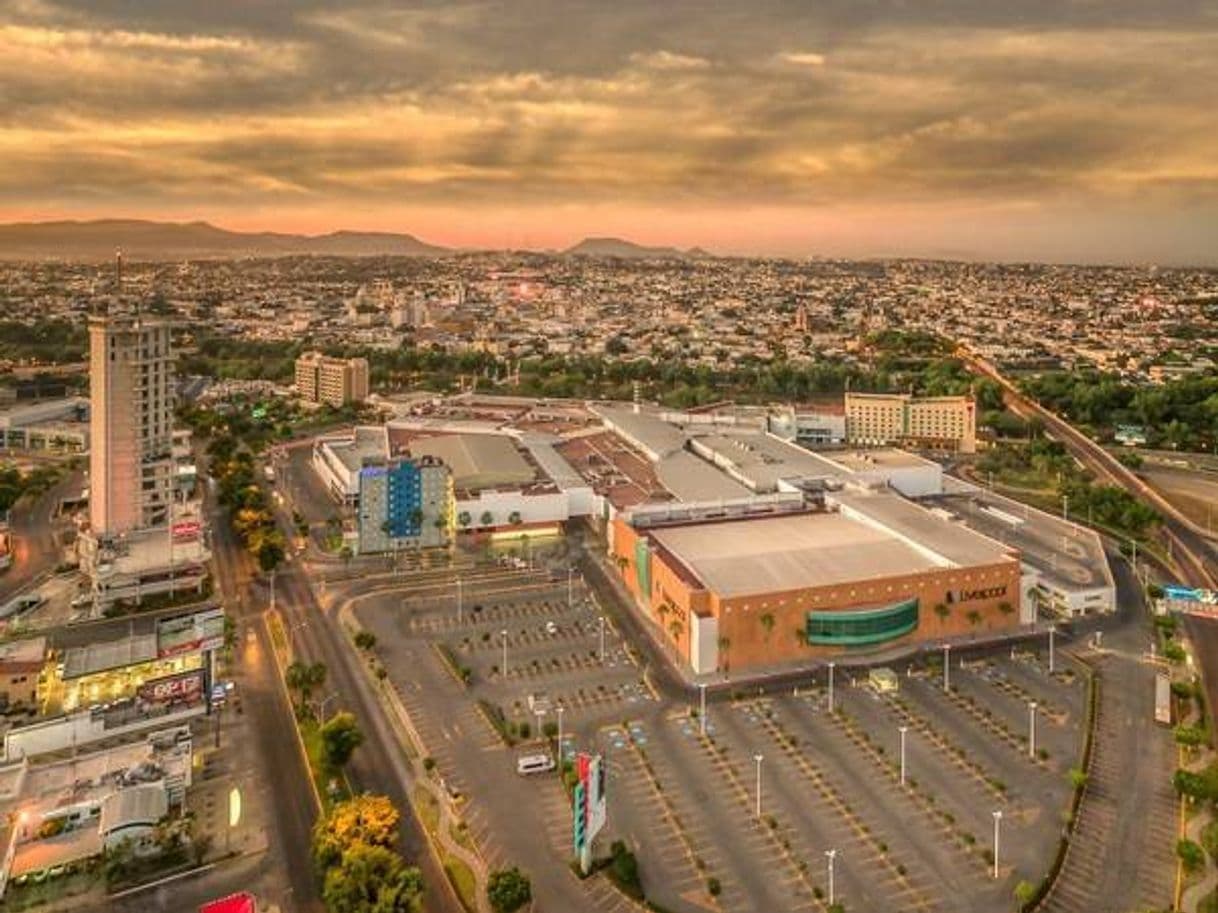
column 868, row 626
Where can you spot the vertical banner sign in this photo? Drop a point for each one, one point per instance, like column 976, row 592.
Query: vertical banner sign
column 588, row 806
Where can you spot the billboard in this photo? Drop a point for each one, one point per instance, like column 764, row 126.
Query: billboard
column 184, row 687
column 191, row 633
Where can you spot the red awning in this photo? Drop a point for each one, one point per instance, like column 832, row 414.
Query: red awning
column 234, row 903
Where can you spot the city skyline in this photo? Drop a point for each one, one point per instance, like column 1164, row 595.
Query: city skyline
column 969, row 131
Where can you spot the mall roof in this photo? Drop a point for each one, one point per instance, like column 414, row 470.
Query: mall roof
column 691, row 478
column 774, row 554
column 760, row 460
column 954, row 542
column 647, row 431
column 477, row 460
column 368, row 443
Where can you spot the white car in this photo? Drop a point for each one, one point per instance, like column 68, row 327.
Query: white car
column 534, row 764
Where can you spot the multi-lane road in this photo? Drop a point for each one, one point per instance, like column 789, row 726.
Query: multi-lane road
column 1189, row 547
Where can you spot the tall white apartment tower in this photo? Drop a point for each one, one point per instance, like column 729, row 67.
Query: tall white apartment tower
column 131, row 466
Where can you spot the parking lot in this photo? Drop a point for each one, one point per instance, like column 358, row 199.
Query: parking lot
column 516, row 645
column 832, row 782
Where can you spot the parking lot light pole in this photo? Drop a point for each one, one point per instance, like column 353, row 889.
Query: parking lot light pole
column 1052, row 631
column 570, row 587
column 539, row 714
column 903, row 730
column 503, row 635
column 831, row 855
column 997, row 821
column 459, row 606
column 947, row 667
column 602, row 618
column 558, row 751
column 1031, row 729
column 831, row 667
column 758, row 758
column 702, row 708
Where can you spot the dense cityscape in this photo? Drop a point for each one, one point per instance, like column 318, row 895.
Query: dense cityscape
column 616, row 458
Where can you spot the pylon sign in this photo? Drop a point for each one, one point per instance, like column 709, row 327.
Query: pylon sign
column 588, row 806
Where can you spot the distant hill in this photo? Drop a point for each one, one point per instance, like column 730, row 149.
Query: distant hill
column 618, row 247
column 144, row 240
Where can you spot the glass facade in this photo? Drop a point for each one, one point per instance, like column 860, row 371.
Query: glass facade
column 404, row 500
column 862, row 627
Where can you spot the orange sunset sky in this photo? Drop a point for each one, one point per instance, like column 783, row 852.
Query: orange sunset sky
column 1009, row 130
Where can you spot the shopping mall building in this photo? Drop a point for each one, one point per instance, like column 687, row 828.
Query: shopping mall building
column 767, row 585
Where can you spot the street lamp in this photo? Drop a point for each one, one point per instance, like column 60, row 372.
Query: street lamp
column 321, row 707
column 831, row 668
column 503, row 635
column 831, row 855
column 903, row 730
column 570, row 587
column 947, row 667
column 1052, row 632
column 758, row 758
column 602, row 618
column 997, row 821
column 1031, row 729
column 559, row 709
column 458, row 600
column 702, row 708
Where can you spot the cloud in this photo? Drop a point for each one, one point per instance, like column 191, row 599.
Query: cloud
column 668, row 60
column 573, row 104
column 803, row 58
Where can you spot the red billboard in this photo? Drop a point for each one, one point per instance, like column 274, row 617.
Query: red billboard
column 184, row 687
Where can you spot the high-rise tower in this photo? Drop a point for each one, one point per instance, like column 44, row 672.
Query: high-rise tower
column 131, row 466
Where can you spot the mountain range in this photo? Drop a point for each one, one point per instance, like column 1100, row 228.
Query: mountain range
column 141, row 239
column 144, row 240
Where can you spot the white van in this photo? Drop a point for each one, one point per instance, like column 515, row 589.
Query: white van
column 534, row 764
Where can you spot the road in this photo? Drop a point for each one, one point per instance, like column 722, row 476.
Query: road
column 378, row 765
column 271, row 713
column 32, row 525
column 1190, row 549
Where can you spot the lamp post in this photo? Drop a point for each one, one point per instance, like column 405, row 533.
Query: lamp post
column 702, row 707
column 459, row 606
column 758, row 759
column 947, row 667
column 321, row 707
column 1031, row 729
column 503, row 636
column 831, row 855
column 602, row 619
column 1052, row 632
column 997, row 822
column 903, row 730
column 831, row 668
column 570, row 587
column 559, row 709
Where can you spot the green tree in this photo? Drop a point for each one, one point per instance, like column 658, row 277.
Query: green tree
column 767, row 622
column 367, row 819
column 1024, row 892
column 942, row 611
column 303, row 678
column 371, row 879
column 340, row 736
column 365, row 640
column 1190, row 854
column 508, row 890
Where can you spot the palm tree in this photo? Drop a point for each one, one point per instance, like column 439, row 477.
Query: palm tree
column 676, row 628
column 974, row 617
column 464, row 519
column 488, row 518
column 801, row 636
column 1006, row 608
column 725, row 644
column 767, row 622
column 942, row 611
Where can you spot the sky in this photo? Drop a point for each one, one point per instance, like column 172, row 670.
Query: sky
column 1056, row 130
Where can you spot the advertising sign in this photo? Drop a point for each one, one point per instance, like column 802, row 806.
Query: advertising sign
column 191, row 633
column 185, row 687
column 186, row 530
column 588, row 807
